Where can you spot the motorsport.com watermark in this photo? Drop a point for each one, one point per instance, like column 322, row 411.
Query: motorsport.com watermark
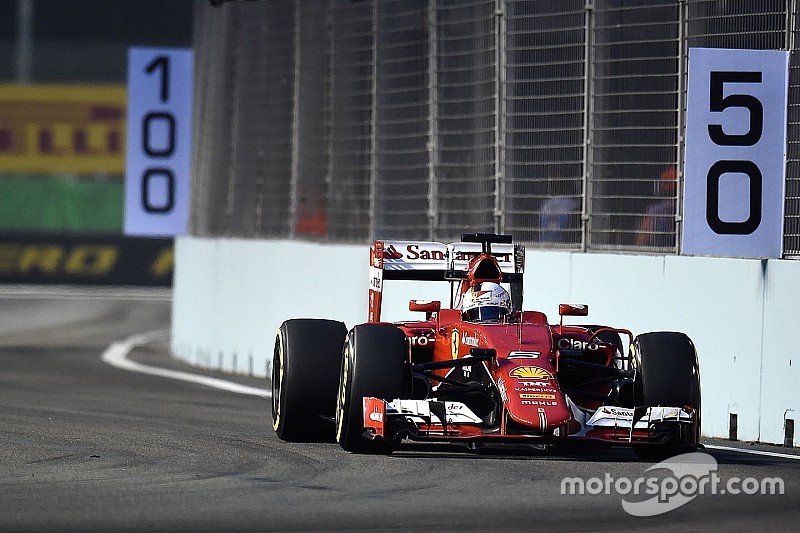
column 692, row 474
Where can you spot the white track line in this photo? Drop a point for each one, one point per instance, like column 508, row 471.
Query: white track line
column 117, row 355
column 752, row 452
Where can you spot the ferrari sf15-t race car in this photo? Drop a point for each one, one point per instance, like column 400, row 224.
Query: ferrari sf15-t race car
column 478, row 375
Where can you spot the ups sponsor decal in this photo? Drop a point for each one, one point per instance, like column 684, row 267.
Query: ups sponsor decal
column 112, row 260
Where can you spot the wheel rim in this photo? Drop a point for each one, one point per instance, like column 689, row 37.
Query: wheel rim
column 277, row 378
column 342, row 396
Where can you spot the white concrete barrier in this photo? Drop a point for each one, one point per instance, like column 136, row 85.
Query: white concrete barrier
column 230, row 296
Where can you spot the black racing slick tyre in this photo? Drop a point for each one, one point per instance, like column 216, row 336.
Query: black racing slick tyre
column 305, row 370
column 666, row 374
column 373, row 363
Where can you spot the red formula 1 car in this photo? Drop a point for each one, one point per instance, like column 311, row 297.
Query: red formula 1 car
column 478, row 373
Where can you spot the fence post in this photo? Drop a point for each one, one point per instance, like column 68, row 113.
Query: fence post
column 234, row 129
column 330, row 37
column 295, row 172
column 24, row 42
column 587, row 125
column 433, row 123
column 683, row 58
column 499, row 134
column 373, row 127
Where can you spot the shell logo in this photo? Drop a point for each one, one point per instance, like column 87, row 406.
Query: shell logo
column 530, row 372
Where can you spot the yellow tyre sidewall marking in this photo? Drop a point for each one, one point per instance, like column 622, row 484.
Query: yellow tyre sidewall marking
column 277, row 418
column 342, row 392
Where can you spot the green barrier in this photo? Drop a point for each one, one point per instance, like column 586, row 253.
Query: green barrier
column 56, row 204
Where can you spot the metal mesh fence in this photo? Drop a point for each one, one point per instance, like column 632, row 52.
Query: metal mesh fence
column 249, row 130
column 311, row 122
column 634, row 125
column 759, row 25
column 545, row 116
column 277, row 102
column 466, row 167
column 402, row 165
column 213, row 109
column 559, row 121
column 351, row 141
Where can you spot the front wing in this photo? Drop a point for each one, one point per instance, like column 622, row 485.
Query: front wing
column 431, row 420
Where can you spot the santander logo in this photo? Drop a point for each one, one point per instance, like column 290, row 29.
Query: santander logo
column 391, row 253
column 411, row 251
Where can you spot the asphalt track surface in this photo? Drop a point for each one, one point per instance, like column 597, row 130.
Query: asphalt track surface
column 85, row 446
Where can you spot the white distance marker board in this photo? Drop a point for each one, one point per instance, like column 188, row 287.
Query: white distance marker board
column 159, row 141
column 735, row 170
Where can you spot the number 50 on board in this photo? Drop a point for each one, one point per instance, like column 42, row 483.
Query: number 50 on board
column 735, row 169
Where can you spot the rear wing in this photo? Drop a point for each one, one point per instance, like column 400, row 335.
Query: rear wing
column 435, row 261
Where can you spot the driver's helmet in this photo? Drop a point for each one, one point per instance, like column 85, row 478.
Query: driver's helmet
column 486, row 301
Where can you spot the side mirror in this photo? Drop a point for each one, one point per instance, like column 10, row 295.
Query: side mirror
column 424, row 306
column 573, row 309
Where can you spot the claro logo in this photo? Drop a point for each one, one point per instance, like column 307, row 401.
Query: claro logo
column 574, row 344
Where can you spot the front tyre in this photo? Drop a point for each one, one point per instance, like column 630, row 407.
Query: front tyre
column 667, row 374
column 305, row 367
column 373, row 363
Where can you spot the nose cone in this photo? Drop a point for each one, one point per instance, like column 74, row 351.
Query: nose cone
column 531, row 394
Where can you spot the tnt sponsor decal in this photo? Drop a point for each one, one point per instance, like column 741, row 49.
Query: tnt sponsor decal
column 530, row 372
column 52, row 128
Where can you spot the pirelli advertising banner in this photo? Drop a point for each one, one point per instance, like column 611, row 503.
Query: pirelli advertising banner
column 62, row 129
column 735, row 171
column 112, row 260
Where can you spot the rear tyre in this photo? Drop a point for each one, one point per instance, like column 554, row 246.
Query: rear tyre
column 373, row 363
column 305, row 366
column 667, row 374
